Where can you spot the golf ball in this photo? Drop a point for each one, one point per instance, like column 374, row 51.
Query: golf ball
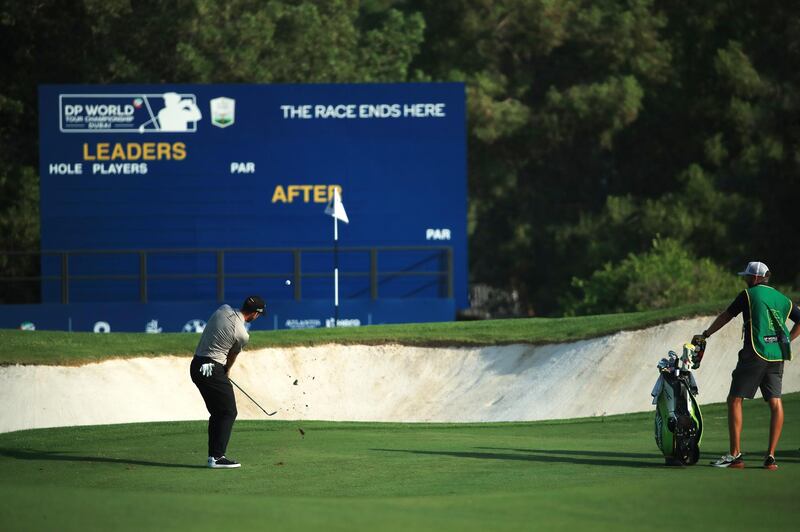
column 288, row 282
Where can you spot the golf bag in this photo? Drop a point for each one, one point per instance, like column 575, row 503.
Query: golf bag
column 678, row 422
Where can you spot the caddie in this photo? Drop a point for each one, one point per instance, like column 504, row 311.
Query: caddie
column 767, row 344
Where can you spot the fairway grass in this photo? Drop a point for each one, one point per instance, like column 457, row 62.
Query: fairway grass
column 587, row 474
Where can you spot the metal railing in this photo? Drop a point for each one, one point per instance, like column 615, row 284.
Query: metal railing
column 443, row 275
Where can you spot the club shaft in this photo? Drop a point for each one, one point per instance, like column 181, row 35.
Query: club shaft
column 248, row 396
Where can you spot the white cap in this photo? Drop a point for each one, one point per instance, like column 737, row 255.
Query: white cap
column 755, row 268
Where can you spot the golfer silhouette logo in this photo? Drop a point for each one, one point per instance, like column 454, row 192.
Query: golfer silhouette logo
column 177, row 113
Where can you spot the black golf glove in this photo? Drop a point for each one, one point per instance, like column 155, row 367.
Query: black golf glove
column 699, row 341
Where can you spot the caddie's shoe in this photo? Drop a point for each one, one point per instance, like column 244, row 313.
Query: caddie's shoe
column 735, row 462
column 769, row 463
column 222, row 463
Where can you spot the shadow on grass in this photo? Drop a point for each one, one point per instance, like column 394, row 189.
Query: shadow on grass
column 587, row 457
column 30, row 454
column 790, row 456
column 579, row 457
column 793, row 455
column 593, row 454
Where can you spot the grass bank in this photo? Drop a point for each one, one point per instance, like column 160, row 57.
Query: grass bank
column 63, row 348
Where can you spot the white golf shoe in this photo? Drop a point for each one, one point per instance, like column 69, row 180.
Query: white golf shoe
column 222, row 463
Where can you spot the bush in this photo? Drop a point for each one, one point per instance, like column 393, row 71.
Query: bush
column 665, row 276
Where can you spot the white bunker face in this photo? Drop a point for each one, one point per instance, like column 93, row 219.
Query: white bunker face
column 610, row 375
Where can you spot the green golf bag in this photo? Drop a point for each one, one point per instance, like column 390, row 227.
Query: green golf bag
column 678, row 421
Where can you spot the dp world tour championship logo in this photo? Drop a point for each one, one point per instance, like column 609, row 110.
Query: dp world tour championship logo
column 129, row 113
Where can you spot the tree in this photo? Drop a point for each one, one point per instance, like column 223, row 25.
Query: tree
column 147, row 41
column 593, row 125
column 281, row 41
column 551, row 85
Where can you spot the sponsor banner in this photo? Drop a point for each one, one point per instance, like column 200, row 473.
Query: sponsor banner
column 191, row 318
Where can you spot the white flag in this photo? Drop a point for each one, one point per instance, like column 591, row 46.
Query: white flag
column 335, row 207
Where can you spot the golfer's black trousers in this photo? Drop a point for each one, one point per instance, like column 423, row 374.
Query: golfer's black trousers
column 217, row 392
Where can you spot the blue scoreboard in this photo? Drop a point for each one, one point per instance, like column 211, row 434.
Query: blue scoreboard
column 181, row 169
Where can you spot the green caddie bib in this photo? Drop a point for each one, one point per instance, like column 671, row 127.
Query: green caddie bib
column 769, row 310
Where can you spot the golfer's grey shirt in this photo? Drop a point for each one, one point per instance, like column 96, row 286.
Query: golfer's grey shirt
column 224, row 333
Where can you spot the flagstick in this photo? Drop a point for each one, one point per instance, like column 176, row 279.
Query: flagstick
column 335, row 271
column 336, row 209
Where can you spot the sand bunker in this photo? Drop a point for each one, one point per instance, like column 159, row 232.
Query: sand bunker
column 608, row 375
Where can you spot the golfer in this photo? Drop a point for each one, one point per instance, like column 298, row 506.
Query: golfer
column 766, row 346
column 223, row 339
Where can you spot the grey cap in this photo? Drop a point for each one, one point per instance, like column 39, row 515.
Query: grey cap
column 755, row 268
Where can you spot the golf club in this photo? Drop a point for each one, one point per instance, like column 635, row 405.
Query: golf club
column 248, row 396
column 151, row 121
